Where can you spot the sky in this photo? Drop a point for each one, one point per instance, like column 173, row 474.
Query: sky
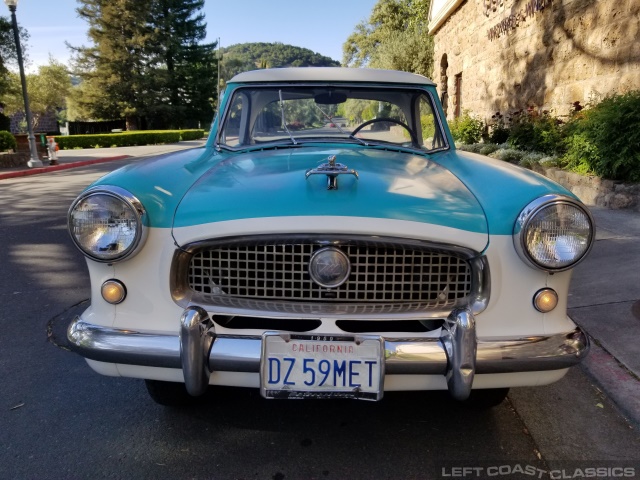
column 319, row 26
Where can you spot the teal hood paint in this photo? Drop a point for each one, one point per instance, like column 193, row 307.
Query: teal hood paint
column 502, row 189
column 199, row 186
column 271, row 183
column 161, row 182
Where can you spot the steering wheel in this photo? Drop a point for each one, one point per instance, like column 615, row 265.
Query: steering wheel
column 414, row 139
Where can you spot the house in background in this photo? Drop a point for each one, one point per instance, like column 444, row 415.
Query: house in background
column 46, row 122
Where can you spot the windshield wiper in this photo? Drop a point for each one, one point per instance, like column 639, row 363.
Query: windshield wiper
column 284, row 121
column 330, row 118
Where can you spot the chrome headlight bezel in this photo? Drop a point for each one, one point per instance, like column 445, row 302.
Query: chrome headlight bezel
column 131, row 203
column 529, row 214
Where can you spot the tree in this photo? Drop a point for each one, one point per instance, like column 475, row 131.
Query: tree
column 8, row 53
column 114, row 69
column 243, row 57
column 48, row 90
column 395, row 37
column 186, row 69
column 147, row 63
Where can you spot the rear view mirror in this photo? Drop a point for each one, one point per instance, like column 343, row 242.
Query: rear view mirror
column 330, row 98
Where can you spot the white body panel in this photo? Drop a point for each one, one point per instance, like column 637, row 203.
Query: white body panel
column 150, row 308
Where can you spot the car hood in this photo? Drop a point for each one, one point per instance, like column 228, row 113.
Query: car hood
column 391, row 185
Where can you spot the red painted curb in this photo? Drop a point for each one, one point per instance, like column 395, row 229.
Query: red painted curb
column 64, row 166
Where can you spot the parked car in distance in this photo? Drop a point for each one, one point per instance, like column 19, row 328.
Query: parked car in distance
column 342, row 262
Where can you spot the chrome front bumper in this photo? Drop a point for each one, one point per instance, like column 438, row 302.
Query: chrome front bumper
column 457, row 353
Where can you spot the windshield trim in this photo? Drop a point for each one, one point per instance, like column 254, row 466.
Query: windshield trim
column 233, row 88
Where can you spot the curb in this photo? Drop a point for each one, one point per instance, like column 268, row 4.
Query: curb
column 64, row 166
column 617, row 382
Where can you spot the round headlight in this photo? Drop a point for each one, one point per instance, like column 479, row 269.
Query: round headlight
column 553, row 233
column 107, row 223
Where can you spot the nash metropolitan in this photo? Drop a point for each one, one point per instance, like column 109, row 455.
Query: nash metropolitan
column 329, row 241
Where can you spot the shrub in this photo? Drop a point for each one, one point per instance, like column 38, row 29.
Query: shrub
column 529, row 159
column 481, row 148
column 7, row 141
column 186, row 135
column 428, row 126
column 535, row 131
column 474, row 148
column 550, row 161
column 605, row 139
column 581, row 154
column 488, row 148
column 5, row 123
column 508, row 155
column 497, row 131
column 467, row 129
column 127, row 139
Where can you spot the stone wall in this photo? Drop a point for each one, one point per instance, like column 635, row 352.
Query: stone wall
column 595, row 190
column 510, row 54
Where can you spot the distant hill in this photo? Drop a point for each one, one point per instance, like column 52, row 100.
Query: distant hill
column 243, row 57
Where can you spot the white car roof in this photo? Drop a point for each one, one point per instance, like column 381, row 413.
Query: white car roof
column 330, row 74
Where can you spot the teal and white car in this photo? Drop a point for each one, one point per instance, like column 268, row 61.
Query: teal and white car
column 329, row 241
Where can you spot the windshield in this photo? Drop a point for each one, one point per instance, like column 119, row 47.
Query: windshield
column 263, row 115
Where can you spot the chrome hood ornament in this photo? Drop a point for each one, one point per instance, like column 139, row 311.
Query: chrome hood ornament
column 331, row 169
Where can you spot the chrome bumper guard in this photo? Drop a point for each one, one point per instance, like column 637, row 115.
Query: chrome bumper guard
column 457, row 354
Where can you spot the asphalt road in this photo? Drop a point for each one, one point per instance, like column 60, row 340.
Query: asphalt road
column 60, row 420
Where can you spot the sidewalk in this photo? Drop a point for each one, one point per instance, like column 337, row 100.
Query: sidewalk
column 604, row 298
column 605, row 301
column 83, row 157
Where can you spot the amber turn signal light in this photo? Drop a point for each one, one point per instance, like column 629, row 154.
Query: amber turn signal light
column 113, row 292
column 545, row 300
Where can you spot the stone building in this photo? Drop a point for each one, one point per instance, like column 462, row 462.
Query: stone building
column 504, row 55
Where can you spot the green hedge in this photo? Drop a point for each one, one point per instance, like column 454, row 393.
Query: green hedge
column 191, row 134
column 7, row 141
column 127, row 139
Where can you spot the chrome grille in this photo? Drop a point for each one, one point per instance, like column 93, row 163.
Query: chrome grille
column 379, row 273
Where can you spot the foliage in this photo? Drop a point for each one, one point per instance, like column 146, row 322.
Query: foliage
column 469, row 147
column 146, row 63
column 602, row 140
column 8, row 52
column 195, row 134
column 7, row 141
column 488, row 148
column 184, row 69
column 549, row 161
column 605, row 139
column 114, row 68
column 535, row 131
column 5, row 122
column 581, row 154
column 358, row 111
column 243, row 57
column 529, row 159
column 467, row 128
column 48, row 89
column 127, row 139
column 510, row 155
column 408, row 51
column 428, row 125
column 394, row 37
column 497, row 131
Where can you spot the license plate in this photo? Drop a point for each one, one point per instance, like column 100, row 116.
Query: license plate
column 321, row 366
